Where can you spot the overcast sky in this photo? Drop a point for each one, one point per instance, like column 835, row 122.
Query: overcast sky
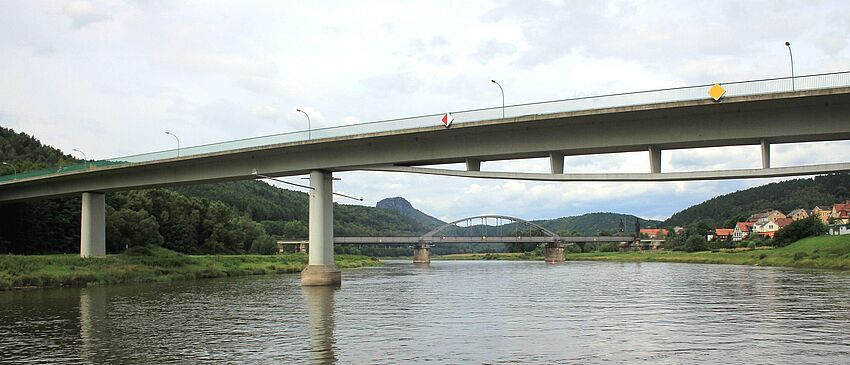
column 109, row 77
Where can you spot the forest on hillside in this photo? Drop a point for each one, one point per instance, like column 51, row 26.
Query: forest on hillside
column 231, row 217
column 725, row 210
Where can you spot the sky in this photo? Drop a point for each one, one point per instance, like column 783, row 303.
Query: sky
column 110, row 77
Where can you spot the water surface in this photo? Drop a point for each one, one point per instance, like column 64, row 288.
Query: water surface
column 448, row 312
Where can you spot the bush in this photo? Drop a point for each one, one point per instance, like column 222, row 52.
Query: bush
column 798, row 230
column 695, row 243
column 264, row 245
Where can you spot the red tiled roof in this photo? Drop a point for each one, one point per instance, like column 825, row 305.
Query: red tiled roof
column 653, row 231
column 782, row 222
column 723, row 231
column 744, row 226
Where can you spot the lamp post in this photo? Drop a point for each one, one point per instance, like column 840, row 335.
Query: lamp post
column 503, row 97
column 14, row 170
column 788, row 44
column 85, row 158
column 308, row 122
column 178, row 141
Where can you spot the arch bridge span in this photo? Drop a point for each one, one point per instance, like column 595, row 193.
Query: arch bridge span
column 507, row 229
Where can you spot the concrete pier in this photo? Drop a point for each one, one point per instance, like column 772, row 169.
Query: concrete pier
column 93, row 225
column 422, row 253
column 321, row 269
column 554, row 252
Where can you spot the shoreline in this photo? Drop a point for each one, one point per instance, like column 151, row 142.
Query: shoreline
column 156, row 265
column 823, row 252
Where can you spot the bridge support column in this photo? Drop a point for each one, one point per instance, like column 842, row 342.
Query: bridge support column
column 654, row 159
column 422, row 253
column 93, row 225
column 556, row 162
column 321, row 269
column 765, row 154
column 554, row 252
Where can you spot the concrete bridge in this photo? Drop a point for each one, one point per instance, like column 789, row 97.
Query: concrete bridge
column 817, row 109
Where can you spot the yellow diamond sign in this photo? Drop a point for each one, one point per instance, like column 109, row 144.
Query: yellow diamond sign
column 716, row 92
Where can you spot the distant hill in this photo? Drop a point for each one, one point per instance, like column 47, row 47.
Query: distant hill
column 401, row 205
column 592, row 223
column 784, row 196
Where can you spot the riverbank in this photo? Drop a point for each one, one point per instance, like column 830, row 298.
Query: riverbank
column 154, row 264
column 824, row 252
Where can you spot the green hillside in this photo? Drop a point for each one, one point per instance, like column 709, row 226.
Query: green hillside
column 592, row 224
column 232, row 217
column 784, row 196
column 404, row 207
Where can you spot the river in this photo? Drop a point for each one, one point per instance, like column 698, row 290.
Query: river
column 449, row 312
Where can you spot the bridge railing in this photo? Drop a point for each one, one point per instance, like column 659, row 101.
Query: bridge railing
column 740, row 88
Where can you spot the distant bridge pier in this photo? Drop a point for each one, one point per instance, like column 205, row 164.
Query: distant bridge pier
column 422, row 252
column 93, row 225
column 553, row 252
column 321, row 269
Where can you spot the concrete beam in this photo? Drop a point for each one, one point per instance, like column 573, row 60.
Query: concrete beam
column 765, row 154
column 654, row 160
column 473, row 164
column 673, row 125
column 626, row 177
column 93, row 225
column 321, row 269
column 556, row 162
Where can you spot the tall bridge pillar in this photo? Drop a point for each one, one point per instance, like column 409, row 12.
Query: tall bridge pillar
column 321, row 269
column 554, row 252
column 422, row 253
column 93, row 225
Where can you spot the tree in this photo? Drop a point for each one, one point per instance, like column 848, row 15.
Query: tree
column 264, row 245
column 295, row 230
column 127, row 228
column 673, row 241
column 811, row 226
column 695, row 243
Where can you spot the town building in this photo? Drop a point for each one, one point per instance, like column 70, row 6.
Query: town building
column 841, row 212
column 799, row 214
column 742, row 230
column 768, row 215
column 654, row 233
column 721, row 234
column 823, row 213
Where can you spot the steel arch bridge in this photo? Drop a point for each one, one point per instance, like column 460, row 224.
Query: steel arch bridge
column 505, row 230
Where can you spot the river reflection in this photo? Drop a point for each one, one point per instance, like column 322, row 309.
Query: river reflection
column 320, row 306
column 448, row 312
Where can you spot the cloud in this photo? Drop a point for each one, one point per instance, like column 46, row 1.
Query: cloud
column 493, row 49
column 83, row 13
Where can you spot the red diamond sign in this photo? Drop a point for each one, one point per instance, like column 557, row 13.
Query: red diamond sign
column 447, row 119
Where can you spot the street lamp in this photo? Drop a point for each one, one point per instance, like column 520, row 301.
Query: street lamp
column 178, row 141
column 85, row 158
column 15, row 176
column 308, row 122
column 788, row 44
column 503, row 97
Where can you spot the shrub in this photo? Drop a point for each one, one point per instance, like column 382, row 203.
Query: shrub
column 798, row 230
column 695, row 243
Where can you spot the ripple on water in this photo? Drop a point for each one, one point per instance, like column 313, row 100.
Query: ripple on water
column 448, row 312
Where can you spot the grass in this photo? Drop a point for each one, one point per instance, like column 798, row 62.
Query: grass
column 148, row 264
column 823, row 252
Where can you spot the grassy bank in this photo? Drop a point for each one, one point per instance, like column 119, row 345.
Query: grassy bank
column 824, row 252
column 148, row 265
